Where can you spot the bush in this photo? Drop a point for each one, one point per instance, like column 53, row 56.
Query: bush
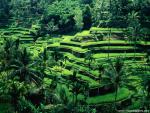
column 25, row 106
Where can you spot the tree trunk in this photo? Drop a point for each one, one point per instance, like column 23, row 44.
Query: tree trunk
column 116, row 91
column 76, row 97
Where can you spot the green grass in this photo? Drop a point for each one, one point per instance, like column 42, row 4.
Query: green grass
column 25, row 36
column 54, row 45
column 105, row 55
column 103, row 29
column 106, row 30
column 92, row 83
column 61, row 71
column 83, row 33
column 117, row 47
column 71, row 43
column 96, row 43
column 67, row 38
column 123, row 93
column 19, row 28
column 73, row 57
column 145, row 43
column 16, row 32
column 93, row 72
column 104, row 42
column 41, row 41
column 57, row 70
column 76, row 49
column 26, row 39
column 101, row 58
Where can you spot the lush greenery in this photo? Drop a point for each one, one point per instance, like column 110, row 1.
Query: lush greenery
column 74, row 56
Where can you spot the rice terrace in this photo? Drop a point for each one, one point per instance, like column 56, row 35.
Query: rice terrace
column 74, row 56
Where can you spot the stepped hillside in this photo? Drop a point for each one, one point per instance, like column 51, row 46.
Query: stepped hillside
column 84, row 52
column 74, row 56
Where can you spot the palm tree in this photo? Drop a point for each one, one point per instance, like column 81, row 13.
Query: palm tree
column 109, row 36
column 65, row 100
column 56, row 55
column 146, row 82
column 146, row 90
column 23, row 68
column 43, row 61
column 77, row 87
column 65, row 59
column 6, row 55
column 90, row 59
column 54, row 82
column 86, row 88
column 60, row 100
column 16, row 91
column 17, row 43
column 101, row 70
column 116, row 75
column 134, row 28
column 108, row 22
column 73, row 79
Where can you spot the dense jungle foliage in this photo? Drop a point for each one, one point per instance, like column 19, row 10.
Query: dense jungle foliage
column 74, row 56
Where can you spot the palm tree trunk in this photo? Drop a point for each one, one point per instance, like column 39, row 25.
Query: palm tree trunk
column 89, row 64
column 134, row 48
column 116, row 91
column 76, row 97
column 73, row 98
column 109, row 42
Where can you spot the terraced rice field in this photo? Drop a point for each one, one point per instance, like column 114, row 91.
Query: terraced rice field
column 77, row 49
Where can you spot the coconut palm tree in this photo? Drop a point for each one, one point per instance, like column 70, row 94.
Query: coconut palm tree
column 43, row 61
column 116, row 75
column 57, row 55
column 134, row 28
column 101, row 70
column 146, row 90
column 146, row 84
column 65, row 100
column 59, row 100
column 90, row 59
column 86, row 88
column 17, row 43
column 73, row 79
column 6, row 54
column 23, row 68
column 16, row 90
column 76, row 87
column 65, row 59
column 109, row 36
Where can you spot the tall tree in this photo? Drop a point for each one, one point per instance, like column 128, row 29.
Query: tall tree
column 87, row 17
column 4, row 11
column 116, row 75
column 23, row 68
column 134, row 28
